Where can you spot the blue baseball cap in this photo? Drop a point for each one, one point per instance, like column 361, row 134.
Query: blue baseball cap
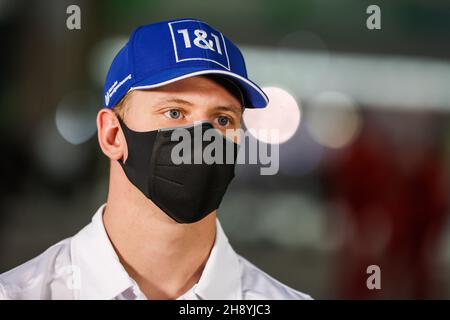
column 160, row 53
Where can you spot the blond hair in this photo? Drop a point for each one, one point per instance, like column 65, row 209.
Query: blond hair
column 121, row 108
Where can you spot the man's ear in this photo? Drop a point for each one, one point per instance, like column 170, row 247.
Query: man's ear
column 110, row 136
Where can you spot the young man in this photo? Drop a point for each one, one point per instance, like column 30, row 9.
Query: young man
column 157, row 236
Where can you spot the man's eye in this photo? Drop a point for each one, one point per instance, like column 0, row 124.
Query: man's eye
column 223, row 121
column 173, row 114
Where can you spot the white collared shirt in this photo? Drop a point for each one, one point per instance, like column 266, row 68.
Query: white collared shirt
column 86, row 266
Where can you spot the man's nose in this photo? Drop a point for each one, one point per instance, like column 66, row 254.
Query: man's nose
column 201, row 117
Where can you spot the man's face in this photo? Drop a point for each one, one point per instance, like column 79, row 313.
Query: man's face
column 182, row 103
column 190, row 192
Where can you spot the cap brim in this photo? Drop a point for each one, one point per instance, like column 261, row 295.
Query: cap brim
column 254, row 96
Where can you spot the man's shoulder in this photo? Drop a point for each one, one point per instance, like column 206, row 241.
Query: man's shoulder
column 30, row 279
column 256, row 284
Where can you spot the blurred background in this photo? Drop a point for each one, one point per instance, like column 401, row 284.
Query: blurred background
column 364, row 118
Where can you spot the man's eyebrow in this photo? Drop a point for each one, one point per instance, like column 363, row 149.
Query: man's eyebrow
column 176, row 100
column 233, row 109
column 237, row 111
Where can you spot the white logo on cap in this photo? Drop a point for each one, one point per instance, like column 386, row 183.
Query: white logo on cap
column 116, row 85
column 191, row 37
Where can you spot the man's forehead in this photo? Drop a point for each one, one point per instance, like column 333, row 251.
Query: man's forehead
column 183, row 91
column 202, row 81
column 209, row 80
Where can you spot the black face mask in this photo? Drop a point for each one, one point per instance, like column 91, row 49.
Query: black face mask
column 185, row 192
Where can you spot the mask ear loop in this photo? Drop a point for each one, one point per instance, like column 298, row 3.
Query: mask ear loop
column 124, row 128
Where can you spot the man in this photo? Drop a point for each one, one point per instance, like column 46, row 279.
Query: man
column 157, row 236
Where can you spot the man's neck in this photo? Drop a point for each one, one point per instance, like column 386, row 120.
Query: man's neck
column 165, row 258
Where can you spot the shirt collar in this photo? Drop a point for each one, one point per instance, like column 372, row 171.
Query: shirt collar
column 102, row 276
column 221, row 277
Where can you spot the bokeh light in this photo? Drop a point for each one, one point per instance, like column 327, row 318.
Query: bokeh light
column 333, row 119
column 101, row 57
column 75, row 117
